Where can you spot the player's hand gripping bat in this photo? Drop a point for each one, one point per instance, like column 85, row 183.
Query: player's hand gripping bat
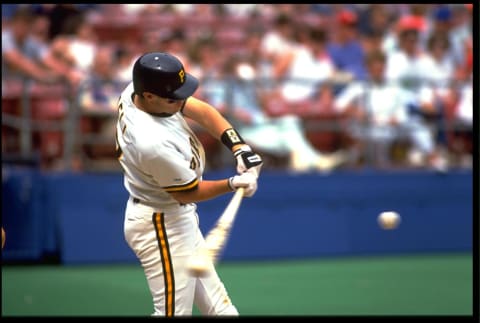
column 216, row 239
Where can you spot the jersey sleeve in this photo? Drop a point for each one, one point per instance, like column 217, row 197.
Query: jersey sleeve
column 171, row 169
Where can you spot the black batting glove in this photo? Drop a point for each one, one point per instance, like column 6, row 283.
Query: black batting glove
column 247, row 160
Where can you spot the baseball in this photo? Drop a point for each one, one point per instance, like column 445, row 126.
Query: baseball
column 389, row 220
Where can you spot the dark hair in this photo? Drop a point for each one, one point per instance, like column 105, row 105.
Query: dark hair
column 375, row 55
column 22, row 14
column 317, row 35
column 408, row 33
column 438, row 38
column 281, row 19
column 175, row 34
column 72, row 24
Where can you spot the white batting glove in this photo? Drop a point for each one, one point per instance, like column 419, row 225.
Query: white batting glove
column 247, row 160
column 246, row 180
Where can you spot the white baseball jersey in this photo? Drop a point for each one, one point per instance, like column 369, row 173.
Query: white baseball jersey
column 158, row 154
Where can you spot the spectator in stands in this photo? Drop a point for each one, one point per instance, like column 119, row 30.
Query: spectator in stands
column 345, row 48
column 375, row 27
column 305, row 75
column 277, row 44
column 463, row 113
column 140, row 9
column 308, row 68
column 404, row 63
column 455, row 22
column 426, row 72
column 242, row 10
column 261, row 60
column 24, row 56
column 125, row 56
column 461, row 118
column 422, row 13
column 374, row 18
column 379, row 115
column 373, row 41
column 174, row 42
column 40, row 27
column 437, row 92
column 236, row 97
column 206, row 58
column 464, row 108
column 438, row 63
column 403, row 16
column 59, row 14
column 151, row 41
column 77, row 43
column 98, row 98
column 253, row 51
column 102, row 89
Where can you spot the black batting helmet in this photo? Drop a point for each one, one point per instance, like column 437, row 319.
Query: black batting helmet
column 164, row 75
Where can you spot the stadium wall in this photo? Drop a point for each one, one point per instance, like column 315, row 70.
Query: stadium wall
column 80, row 216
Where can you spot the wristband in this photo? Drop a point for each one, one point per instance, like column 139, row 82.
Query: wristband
column 230, row 138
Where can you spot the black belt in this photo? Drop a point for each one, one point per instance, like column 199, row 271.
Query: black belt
column 136, row 200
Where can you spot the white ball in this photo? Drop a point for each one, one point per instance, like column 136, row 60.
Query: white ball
column 389, row 220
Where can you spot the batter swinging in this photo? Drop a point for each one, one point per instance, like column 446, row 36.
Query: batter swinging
column 163, row 162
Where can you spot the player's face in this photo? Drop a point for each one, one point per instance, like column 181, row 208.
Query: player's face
column 168, row 105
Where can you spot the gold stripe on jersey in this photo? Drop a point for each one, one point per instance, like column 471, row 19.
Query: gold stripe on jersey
column 183, row 187
column 168, row 277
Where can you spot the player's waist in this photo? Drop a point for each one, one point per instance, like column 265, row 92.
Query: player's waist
column 162, row 207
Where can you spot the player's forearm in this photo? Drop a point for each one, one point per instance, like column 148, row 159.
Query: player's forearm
column 205, row 190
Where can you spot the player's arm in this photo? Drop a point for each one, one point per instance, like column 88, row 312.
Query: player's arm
column 220, row 128
column 204, row 190
column 178, row 176
column 208, row 117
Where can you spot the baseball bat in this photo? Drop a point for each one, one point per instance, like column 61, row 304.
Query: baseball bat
column 216, row 238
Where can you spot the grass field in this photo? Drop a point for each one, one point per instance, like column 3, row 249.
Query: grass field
column 400, row 285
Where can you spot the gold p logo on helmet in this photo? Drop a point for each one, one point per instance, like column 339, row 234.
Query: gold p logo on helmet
column 181, row 74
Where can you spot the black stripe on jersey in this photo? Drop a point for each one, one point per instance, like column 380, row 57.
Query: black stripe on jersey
column 195, row 150
column 184, row 187
column 158, row 220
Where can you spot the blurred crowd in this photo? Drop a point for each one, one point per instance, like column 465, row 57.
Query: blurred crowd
column 383, row 74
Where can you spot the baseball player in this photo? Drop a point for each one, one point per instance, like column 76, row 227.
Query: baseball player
column 163, row 162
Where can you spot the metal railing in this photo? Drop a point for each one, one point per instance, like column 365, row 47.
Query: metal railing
column 22, row 94
column 27, row 123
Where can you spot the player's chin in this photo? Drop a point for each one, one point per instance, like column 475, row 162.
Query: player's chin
column 174, row 110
